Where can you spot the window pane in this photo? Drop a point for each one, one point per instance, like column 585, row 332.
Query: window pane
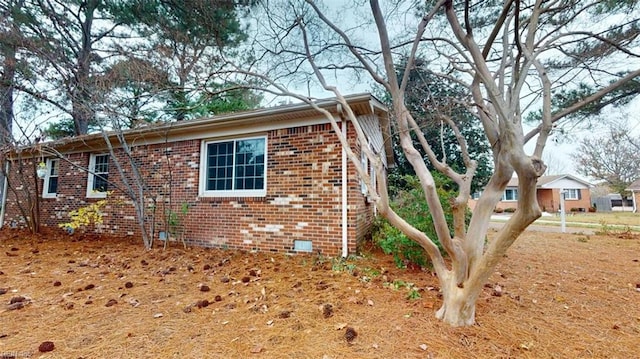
column 219, row 166
column 54, row 168
column 53, row 185
column 220, row 184
column 100, row 183
column 249, row 157
column 572, row 194
column 511, row 195
column 235, row 165
column 102, row 164
column 52, row 180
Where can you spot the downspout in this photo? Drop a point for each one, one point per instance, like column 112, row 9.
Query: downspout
column 633, row 198
column 345, row 233
column 4, row 193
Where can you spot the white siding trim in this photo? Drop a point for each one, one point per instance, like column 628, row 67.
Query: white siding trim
column 47, row 177
column 90, row 177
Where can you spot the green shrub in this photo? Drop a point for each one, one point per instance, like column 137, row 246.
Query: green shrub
column 411, row 205
column 509, row 210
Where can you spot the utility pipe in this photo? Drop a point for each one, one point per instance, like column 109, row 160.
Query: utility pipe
column 345, row 201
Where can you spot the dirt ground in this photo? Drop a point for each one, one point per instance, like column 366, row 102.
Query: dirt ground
column 559, row 296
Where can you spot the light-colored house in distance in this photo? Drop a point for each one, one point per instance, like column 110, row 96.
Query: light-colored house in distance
column 576, row 194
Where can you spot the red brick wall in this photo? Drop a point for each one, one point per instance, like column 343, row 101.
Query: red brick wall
column 303, row 200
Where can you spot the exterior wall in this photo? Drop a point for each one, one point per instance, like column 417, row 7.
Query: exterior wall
column 303, row 200
column 581, row 204
column 548, row 200
column 502, row 205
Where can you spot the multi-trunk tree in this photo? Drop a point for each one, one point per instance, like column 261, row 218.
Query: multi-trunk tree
column 512, row 56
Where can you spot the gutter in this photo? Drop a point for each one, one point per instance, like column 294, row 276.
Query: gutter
column 345, row 201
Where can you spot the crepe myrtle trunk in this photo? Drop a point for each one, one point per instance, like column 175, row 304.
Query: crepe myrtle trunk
column 460, row 298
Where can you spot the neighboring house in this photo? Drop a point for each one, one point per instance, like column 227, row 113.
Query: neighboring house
column 576, row 194
column 634, row 188
column 274, row 179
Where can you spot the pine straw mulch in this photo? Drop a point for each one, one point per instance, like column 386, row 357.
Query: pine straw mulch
column 553, row 296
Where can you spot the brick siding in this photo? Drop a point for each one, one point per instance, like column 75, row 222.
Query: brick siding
column 303, row 200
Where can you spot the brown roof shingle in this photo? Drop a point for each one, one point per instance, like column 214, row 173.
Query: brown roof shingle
column 635, row 186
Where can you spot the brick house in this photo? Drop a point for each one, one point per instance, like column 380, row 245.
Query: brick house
column 274, row 179
column 634, row 188
column 576, row 192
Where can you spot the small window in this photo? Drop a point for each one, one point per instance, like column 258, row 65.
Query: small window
column 234, row 168
column 98, row 178
column 510, row 194
column 50, row 184
column 572, row 194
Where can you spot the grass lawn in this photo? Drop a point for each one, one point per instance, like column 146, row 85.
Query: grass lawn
column 604, row 222
column 610, row 218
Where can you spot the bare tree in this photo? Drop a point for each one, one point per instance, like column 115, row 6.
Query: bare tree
column 502, row 51
column 555, row 165
column 611, row 157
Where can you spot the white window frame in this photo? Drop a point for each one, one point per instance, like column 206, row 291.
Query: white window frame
column 45, row 184
column 504, row 195
column 91, row 177
column 203, row 192
column 364, row 162
column 572, row 194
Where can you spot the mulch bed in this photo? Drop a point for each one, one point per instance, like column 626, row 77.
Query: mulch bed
column 553, row 296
